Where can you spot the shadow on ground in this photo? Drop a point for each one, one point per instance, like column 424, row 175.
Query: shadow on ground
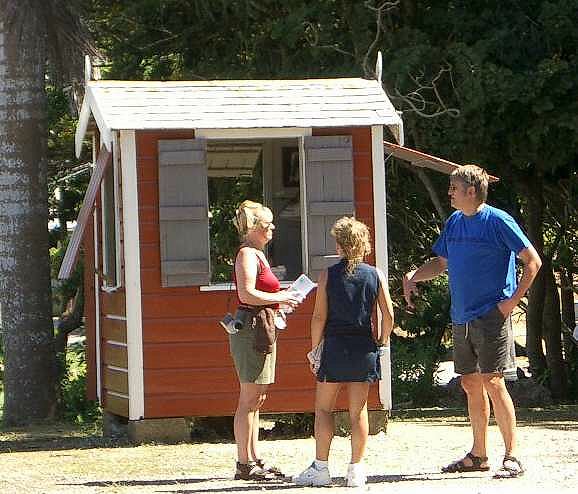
column 144, row 483
column 62, row 437
column 59, row 443
column 336, row 482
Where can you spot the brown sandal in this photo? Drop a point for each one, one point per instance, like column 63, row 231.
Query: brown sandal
column 251, row 471
column 460, row 467
column 510, row 469
column 269, row 468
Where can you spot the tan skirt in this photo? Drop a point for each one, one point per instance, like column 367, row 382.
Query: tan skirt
column 251, row 367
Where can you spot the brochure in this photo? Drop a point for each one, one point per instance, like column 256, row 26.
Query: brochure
column 301, row 286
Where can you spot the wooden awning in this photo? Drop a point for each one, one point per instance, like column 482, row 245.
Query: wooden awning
column 422, row 160
column 71, row 255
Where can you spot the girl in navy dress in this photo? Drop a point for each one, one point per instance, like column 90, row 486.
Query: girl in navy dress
column 346, row 296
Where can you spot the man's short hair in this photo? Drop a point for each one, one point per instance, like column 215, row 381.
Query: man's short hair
column 474, row 176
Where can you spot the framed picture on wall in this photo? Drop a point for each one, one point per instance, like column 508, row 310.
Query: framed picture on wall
column 290, row 166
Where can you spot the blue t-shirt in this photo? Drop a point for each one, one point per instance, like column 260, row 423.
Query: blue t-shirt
column 481, row 252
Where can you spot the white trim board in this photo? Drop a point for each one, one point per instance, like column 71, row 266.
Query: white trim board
column 380, row 225
column 97, row 310
column 303, row 206
column 253, row 133
column 379, row 198
column 132, row 275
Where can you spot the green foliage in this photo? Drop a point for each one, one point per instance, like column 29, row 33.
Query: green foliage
column 62, row 290
column 431, row 314
column 225, row 195
column 507, row 70
column 413, row 364
column 232, row 39
column 75, row 406
column 416, row 357
column 573, row 378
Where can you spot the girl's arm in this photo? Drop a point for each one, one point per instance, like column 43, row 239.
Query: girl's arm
column 319, row 317
column 386, row 307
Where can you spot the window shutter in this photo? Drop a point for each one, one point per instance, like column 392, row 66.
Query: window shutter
column 329, row 195
column 183, row 212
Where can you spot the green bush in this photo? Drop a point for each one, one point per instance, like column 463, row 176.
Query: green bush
column 413, row 364
column 75, row 406
column 415, row 358
column 63, row 290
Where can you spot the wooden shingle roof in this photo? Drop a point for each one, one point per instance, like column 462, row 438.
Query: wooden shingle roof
column 236, row 104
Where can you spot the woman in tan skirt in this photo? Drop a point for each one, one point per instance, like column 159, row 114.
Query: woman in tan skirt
column 256, row 286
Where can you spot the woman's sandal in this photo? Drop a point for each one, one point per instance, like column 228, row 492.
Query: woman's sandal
column 510, row 469
column 269, row 468
column 460, row 466
column 251, row 471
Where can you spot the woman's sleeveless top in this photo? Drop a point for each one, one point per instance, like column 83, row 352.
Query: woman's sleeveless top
column 351, row 299
column 266, row 280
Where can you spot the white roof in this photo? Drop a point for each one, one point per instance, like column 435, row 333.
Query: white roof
column 139, row 105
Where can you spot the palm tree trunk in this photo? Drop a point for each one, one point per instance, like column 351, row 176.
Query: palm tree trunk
column 25, row 311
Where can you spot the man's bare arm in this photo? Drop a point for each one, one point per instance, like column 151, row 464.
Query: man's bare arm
column 427, row 271
column 531, row 265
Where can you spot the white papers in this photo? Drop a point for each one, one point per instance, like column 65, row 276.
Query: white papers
column 314, row 357
column 301, row 286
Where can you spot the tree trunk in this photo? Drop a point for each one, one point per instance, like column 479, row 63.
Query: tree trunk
column 537, row 292
column 25, row 311
column 432, row 192
column 568, row 311
column 429, row 187
column 553, row 335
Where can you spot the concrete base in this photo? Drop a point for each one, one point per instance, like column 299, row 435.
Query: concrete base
column 377, row 422
column 171, row 431
column 114, row 426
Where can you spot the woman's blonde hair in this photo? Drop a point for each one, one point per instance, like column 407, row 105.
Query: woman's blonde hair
column 353, row 239
column 250, row 215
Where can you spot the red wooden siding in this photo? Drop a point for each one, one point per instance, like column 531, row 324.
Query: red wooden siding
column 187, row 367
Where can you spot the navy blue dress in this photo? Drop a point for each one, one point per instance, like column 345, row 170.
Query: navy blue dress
column 350, row 353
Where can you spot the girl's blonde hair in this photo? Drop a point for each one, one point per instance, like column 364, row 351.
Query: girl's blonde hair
column 353, row 239
column 250, row 215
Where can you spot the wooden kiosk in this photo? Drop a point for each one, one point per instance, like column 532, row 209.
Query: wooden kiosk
column 155, row 348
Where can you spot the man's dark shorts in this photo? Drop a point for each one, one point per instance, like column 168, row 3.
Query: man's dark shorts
column 484, row 345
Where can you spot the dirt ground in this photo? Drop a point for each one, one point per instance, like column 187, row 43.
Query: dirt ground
column 405, row 460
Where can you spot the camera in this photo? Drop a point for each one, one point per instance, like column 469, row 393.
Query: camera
column 233, row 324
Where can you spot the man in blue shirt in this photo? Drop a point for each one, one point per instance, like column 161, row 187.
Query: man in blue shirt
column 478, row 246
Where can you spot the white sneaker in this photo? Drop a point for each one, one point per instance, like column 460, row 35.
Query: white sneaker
column 311, row 476
column 356, row 475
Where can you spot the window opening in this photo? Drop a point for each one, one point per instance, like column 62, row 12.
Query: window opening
column 265, row 171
